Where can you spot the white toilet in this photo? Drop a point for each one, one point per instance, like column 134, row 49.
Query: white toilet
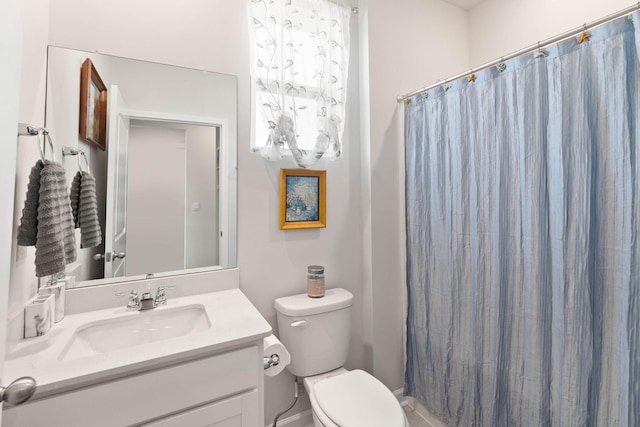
column 316, row 333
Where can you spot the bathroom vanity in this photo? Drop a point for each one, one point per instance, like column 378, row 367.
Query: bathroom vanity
column 195, row 361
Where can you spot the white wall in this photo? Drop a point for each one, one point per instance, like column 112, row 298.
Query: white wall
column 499, row 27
column 31, row 82
column 273, row 262
column 411, row 43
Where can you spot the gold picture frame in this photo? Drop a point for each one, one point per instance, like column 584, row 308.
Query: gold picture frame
column 303, row 201
column 93, row 106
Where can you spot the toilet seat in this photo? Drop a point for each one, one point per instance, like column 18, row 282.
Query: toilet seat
column 356, row 398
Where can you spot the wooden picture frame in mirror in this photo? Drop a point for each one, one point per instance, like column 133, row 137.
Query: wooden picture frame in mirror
column 93, row 106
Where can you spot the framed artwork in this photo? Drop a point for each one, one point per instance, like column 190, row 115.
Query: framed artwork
column 303, row 199
column 93, row 106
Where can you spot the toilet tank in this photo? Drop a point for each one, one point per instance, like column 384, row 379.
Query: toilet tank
column 315, row 330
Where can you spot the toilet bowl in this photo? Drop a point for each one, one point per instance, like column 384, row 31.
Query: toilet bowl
column 344, row 398
column 315, row 331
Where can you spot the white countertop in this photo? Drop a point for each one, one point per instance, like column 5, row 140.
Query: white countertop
column 234, row 322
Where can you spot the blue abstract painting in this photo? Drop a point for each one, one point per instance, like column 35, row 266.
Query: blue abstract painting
column 302, row 198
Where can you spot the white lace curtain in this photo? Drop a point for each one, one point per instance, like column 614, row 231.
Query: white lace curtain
column 300, row 60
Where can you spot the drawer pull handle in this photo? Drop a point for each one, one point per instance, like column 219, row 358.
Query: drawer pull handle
column 18, row 391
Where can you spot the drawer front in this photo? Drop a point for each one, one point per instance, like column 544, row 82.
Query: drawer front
column 144, row 396
column 238, row 411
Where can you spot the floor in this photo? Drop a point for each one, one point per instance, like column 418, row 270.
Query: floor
column 415, row 420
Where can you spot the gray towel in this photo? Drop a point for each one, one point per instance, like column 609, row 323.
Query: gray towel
column 84, row 206
column 28, row 228
column 75, row 196
column 55, row 242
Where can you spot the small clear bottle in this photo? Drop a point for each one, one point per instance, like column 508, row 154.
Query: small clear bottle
column 315, row 281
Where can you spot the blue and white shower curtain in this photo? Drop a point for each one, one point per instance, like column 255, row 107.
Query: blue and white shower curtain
column 523, row 239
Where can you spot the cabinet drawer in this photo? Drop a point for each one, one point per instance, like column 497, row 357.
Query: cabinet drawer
column 238, row 411
column 144, row 396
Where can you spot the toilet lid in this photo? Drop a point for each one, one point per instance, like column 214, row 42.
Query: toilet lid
column 356, row 398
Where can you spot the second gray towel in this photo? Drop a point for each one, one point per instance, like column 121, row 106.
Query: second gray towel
column 84, row 205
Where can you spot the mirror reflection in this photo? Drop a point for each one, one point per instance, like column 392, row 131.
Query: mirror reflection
column 166, row 183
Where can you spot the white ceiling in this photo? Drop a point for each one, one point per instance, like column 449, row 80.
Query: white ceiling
column 464, row 4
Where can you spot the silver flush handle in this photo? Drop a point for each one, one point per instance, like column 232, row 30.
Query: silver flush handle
column 300, row 324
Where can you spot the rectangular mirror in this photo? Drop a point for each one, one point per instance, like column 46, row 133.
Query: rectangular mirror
column 166, row 183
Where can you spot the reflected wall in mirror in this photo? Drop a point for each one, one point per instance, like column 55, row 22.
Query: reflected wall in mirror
column 167, row 182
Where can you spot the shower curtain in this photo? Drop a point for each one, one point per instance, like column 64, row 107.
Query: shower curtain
column 522, row 234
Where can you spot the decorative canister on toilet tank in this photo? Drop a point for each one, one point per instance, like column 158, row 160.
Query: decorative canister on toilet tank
column 315, row 281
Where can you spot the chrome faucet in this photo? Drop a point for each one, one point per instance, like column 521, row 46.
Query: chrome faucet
column 147, row 302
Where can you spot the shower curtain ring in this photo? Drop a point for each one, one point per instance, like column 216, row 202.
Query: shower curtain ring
column 540, row 52
column 584, row 37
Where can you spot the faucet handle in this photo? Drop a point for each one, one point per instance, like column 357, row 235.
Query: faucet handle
column 134, row 300
column 161, row 297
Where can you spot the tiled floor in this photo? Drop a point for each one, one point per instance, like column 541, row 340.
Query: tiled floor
column 415, row 420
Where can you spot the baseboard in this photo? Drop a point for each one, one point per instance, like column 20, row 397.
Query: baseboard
column 422, row 412
column 302, row 419
column 401, row 397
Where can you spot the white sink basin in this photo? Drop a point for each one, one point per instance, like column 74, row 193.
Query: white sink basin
column 133, row 329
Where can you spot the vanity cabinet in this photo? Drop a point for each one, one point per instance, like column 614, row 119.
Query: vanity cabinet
column 221, row 390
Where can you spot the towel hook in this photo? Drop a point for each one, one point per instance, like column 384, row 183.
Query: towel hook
column 71, row 151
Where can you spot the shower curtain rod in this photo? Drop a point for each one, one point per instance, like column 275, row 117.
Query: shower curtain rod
column 407, row 97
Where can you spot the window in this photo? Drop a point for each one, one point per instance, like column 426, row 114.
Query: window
column 300, row 56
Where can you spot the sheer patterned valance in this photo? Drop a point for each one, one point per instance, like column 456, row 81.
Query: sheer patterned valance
column 300, row 60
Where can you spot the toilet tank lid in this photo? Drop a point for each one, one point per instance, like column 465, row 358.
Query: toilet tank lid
column 303, row 305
